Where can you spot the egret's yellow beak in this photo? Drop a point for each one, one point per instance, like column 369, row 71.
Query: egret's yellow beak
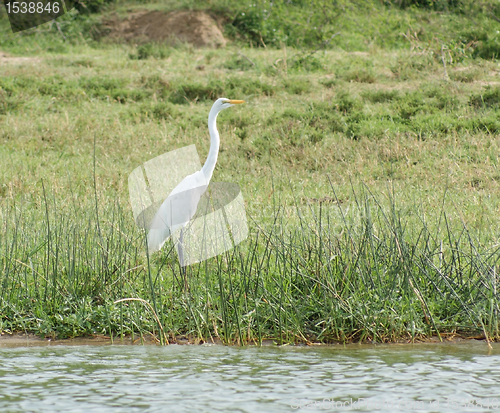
column 236, row 102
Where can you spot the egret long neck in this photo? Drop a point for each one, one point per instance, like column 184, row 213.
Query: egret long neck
column 209, row 166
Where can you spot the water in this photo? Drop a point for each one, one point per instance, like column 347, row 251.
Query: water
column 423, row 378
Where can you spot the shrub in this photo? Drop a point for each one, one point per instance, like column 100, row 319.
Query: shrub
column 429, row 4
column 263, row 23
column 87, row 6
column 486, row 44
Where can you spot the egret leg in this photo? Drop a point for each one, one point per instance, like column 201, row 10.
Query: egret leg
column 180, row 251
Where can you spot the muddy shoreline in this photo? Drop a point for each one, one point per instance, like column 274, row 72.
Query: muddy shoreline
column 31, row 340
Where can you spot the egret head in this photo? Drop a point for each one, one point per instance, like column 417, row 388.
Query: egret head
column 224, row 103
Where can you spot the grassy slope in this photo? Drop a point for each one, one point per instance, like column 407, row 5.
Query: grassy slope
column 409, row 151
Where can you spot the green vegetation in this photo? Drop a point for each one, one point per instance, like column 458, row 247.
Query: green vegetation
column 369, row 164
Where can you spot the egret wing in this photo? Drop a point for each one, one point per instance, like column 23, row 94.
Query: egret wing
column 177, row 210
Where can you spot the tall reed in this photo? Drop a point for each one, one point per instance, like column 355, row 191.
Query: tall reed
column 320, row 270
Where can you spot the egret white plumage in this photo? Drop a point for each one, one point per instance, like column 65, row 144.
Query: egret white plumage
column 181, row 204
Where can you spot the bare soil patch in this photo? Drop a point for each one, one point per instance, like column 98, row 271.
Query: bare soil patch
column 5, row 58
column 193, row 27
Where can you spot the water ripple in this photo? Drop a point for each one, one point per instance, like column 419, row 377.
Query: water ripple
column 206, row 378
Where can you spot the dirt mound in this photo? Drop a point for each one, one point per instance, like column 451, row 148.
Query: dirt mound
column 194, row 27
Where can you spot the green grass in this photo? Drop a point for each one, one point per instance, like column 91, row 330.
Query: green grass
column 369, row 171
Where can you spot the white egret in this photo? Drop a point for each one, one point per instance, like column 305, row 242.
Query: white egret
column 181, row 204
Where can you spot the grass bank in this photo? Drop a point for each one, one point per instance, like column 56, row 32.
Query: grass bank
column 369, row 171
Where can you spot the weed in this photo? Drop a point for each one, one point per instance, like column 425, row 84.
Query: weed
column 488, row 98
column 296, row 86
column 240, row 86
column 464, row 76
column 346, row 103
column 380, row 96
column 359, row 75
column 156, row 111
column 238, row 62
column 309, row 63
column 329, row 83
column 192, row 92
column 8, row 103
column 151, row 50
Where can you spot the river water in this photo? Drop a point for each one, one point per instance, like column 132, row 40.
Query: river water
column 114, row 378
